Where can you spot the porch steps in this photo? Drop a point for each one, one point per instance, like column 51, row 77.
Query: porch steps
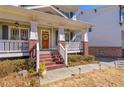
column 52, row 59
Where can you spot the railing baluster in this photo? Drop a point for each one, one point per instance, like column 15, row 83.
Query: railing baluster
column 9, row 46
column 4, row 46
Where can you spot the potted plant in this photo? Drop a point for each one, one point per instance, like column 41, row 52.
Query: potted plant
column 42, row 70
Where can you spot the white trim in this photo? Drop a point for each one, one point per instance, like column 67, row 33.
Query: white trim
column 35, row 7
column 52, row 38
column 58, row 11
column 50, row 6
column 9, row 55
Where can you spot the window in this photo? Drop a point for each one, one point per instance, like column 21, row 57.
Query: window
column 14, row 34
column 100, row 52
column 71, row 35
column 56, row 37
column 5, row 32
column 90, row 29
column 66, row 36
column 24, row 34
column 18, row 33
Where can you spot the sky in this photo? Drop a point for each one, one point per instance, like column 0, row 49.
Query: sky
column 88, row 7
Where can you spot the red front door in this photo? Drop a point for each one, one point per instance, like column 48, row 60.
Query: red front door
column 45, row 39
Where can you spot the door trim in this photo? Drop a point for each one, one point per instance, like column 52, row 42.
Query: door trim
column 41, row 40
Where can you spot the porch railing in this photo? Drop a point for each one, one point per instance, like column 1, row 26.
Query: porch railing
column 13, row 46
column 69, row 47
column 63, row 52
column 74, row 46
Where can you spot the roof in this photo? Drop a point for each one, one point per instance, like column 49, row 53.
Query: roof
column 20, row 14
column 72, row 8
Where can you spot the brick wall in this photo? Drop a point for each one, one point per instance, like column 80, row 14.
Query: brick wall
column 106, row 51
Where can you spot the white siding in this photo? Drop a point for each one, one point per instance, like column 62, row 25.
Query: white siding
column 108, row 30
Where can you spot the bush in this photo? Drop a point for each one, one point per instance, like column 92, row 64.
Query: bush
column 89, row 58
column 10, row 66
column 6, row 68
column 75, row 58
column 30, row 64
column 33, row 82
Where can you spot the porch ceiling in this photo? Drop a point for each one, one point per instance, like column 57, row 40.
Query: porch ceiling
column 25, row 15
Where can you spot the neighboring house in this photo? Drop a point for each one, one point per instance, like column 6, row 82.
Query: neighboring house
column 106, row 39
column 46, row 33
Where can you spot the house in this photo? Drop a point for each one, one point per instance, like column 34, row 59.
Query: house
column 44, row 33
column 106, row 39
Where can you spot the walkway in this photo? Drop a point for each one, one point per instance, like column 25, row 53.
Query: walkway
column 62, row 73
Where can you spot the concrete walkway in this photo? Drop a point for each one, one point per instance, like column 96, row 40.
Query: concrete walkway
column 63, row 73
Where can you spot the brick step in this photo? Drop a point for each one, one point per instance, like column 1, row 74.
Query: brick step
column 55, row 66
column 47, row 59
column 49, row 63
column 44, row 55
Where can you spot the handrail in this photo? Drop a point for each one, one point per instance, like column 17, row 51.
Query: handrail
column 63, row 53
column 37, row 56
column 62, row 47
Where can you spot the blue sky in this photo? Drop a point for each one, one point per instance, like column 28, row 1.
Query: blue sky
column 88, row 7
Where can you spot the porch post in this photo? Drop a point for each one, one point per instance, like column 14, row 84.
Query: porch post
column 61, row 35
column 33, row 39
column 33, row 42
column 85, row 44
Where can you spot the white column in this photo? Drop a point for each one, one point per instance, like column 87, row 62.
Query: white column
column 34, row 32
column 85, row 37
column 85, row 43
column 33, row 41
column 61, row 34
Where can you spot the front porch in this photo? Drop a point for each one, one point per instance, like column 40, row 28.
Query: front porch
column 34, row 32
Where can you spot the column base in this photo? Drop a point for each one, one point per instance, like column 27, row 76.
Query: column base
column 85, row 48
column 32, row 47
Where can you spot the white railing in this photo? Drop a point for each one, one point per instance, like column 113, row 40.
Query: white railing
column 63, row 53
column 37, row 56
column 13, row 46
column 69, row 47
column 74, row 46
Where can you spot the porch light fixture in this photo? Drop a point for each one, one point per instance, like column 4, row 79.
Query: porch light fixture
column 16, row 24
column 95, row 10
column 120, row 23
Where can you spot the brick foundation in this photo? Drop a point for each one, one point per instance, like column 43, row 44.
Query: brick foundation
column 106, row 51
column 85, row 48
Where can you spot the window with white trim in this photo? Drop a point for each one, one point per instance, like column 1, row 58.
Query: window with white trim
column 14, row 34
column 19, row 33
column 24, row 34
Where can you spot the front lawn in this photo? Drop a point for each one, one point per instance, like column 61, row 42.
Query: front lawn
column 99, row 78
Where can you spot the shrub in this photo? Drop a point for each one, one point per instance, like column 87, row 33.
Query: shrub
column 75, row 58
column 6, row 68
column 89, row 58
column 10, row 66
column 30, row 64
column 42, row 67
column 33, row 82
